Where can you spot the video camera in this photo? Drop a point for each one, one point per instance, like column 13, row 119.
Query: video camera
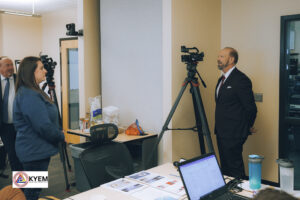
column 49, row 65
column 71, row 30
column 193, row 57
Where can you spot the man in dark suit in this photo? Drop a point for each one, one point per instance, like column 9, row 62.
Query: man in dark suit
column 7, row 130
column 235, row 113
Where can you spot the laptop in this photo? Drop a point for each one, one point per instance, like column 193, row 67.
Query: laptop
column 202, row 179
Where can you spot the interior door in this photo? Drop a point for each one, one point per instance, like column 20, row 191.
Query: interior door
column 289, row 109
column 70, row 87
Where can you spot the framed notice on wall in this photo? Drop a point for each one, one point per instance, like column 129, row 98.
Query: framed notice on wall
column 17, row 63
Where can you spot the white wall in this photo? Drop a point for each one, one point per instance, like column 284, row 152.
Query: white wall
column 21, row 36
column 54, row 28
column 1, row 37
column 79, row 26
column 195, row 23
column 131, row 57
column 253, row 28
column 165, row 147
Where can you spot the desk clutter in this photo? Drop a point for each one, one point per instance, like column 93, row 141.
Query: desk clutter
column 135, row 129
column 99, row 115
column 108, row 155
column 148, row 186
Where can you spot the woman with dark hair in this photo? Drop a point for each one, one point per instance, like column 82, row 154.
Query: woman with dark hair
column 36, row 121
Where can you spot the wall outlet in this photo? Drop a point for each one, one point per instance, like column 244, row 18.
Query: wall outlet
column 258, row 97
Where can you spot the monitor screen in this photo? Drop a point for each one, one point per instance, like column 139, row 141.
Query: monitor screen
column 201, row 176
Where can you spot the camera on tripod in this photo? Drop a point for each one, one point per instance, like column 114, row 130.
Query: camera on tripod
column 71, row 30
column 201, row 122
column 194, row 55
column 49, row 65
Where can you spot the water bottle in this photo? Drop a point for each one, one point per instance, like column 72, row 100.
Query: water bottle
column 255, row 171
column 286, row 171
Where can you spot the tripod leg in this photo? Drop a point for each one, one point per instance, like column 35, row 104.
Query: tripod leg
column 67, row 157
column 62, row 158
column 165, row 126
column 202, row 116
column 62, row 147
column 198, row 121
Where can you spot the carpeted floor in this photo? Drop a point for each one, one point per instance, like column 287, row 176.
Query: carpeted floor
column 56, row 184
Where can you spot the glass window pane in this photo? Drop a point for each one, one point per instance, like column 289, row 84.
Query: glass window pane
column 73, row 88
column 293, row 46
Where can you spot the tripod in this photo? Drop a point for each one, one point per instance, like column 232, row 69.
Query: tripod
column 62, row 145
column 201, row 121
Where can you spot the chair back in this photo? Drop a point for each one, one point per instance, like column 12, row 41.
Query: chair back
column 106, row 162
column 103, row 133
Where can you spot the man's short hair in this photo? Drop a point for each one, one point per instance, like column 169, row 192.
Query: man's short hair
column 273, row 194
column 3, row 57
column 233, row 53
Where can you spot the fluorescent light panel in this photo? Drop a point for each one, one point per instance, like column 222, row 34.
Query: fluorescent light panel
column 17, row 13
column 10, row 12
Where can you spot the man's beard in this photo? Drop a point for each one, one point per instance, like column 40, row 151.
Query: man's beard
column 222, row 66
column 10, row 73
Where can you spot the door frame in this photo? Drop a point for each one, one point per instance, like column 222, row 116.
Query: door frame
column 75, row 139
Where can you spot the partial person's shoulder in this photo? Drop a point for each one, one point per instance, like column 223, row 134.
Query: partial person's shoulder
column 241, row 75
column 26, row 92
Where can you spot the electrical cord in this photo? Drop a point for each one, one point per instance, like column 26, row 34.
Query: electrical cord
column 232, row 185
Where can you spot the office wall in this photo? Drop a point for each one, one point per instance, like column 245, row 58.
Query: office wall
column 1, row 36
column 21, row 36
column 253, row 28
column 54, row 28
column 165, row 148
column 194, row 23
column 79, row 25
column 91, row 40
column 131, row 60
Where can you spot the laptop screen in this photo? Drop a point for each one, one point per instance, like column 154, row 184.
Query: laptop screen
column 201, row 176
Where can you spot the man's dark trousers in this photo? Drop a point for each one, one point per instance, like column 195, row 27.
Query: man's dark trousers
column 2, row 158
column 231, row 157
column 8, row 135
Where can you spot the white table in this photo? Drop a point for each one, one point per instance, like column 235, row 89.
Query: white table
column 95, row 194
column 167, row 170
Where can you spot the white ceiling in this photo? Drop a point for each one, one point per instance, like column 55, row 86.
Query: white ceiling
column 40, row 6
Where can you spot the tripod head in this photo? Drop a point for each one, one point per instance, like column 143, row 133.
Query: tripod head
column 49, row 65
column 193, row 57
column 192, row 60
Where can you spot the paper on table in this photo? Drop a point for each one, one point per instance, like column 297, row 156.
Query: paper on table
column 146, row 177
column 160, row 182
column 124, row 185
column 170, row 185
column 139, row 175
column 150, row 193
column 97, row 197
